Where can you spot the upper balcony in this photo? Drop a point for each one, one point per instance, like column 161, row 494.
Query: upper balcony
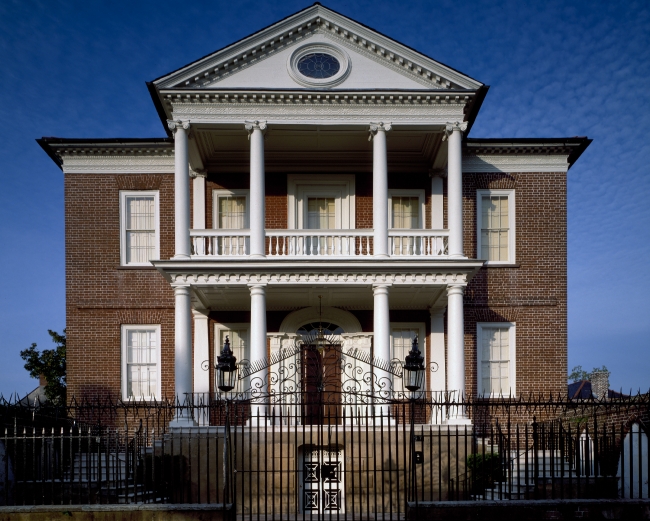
column 318, row 244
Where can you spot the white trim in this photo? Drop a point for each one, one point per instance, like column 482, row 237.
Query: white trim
column 513, row 163
column 123, row 359
column 419, row 193
column 422, row 337
column 138, row 193
column 325, row 48
column 346, row 320
column 299, row 187
column 117, row 164
column 216, row 193
column 512, row 367
column 512, row 236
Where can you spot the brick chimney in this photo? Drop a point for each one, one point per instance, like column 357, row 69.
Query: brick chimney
column 600, row 384
column 42, row 380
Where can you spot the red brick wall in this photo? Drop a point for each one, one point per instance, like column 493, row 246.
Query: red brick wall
column 533, row 293
column 100, row 296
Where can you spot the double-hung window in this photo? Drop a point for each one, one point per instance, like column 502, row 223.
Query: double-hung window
column 405, row 212
column 230, row 212
column 141, row 362
column 139, row 227
column 496, row 357
column 496, row 226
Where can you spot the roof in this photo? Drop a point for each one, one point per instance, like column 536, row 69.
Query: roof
column 581, row 390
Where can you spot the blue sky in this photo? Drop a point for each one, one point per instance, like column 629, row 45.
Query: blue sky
column 78, row 69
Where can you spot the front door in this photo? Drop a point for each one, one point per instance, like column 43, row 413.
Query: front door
column 321, row 384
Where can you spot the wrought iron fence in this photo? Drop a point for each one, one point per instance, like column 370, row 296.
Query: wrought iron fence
column 323, row 457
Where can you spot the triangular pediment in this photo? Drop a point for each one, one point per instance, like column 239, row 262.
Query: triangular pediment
column 268, row 60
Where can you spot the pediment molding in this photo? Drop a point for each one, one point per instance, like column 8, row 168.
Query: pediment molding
column 207, row 72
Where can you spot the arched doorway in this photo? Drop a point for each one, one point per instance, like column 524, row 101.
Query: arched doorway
column 320, row 361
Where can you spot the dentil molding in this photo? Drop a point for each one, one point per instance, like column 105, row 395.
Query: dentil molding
column 238, row 278
column 485, row 163
column 133, row 163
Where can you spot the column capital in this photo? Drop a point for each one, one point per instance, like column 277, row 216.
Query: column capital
column 257, row 288
column 378, row 289
column 454, row 127
column 437, row 172
column 181, row 289
column 439, row 312
column 175, row 125
column 199, row 172
column 455, row 289
column 378, row 127
column 251, row 125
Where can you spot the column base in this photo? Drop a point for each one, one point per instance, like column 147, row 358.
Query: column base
column 457, row 421
column 181, row 256
column 457, row 256
column 256, row 256
column 181, row 423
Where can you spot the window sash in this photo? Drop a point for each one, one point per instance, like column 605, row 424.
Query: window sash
column 405, row 212
column 140, row 228
column 141, row 354
column 231, row 212
column 495, row 360
column 495, row 228
column 321, row 213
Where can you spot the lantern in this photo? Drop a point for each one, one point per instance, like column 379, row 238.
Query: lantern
column 413, row 375
column 226, row 368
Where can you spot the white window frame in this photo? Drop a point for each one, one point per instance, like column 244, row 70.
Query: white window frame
column 407, row 193
column 138, row 193
column 125, row 328
column 217, row 193
column 230, row 326
column 512, row 347
column 511, row 223
column 301, row 187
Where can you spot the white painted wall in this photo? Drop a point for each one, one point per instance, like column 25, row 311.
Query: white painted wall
column 272, row 72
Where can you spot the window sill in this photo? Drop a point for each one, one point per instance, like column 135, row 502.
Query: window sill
column 504, row 265
column 136, row 268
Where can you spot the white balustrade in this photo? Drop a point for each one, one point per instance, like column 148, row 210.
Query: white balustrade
column 220, row 243
column 319, row 243
column 418, row 243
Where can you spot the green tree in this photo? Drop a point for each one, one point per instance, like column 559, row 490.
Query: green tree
column 51, row 364
column 578, row 373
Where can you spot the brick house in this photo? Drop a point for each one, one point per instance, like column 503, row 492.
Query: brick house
column 315, row 173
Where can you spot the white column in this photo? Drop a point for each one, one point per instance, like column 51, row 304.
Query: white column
column 182, row 355
column 379, row 188
column 181, row 189
column 456, row 350
column 437, row 203
column 198, row 200
column 381, row 339
column 201, row 356
column 256, row 214
column 258, row 381
column 454, row 135
column 438, row 380
column 198, row 210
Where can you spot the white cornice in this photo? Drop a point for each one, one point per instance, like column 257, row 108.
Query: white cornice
column 118, row 163
column 346, row 108
column 293, row 29
column 515, row 163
